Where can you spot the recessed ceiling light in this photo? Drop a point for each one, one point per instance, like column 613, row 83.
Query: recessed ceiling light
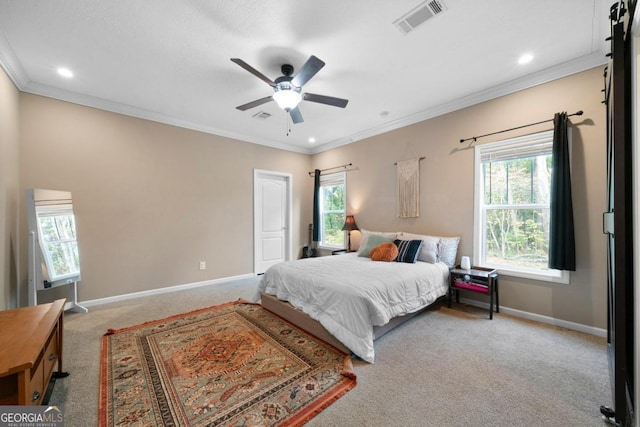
column 65, row 72
column 312, row 140
column 525, row 59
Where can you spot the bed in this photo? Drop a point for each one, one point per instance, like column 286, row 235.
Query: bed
column 350, row 300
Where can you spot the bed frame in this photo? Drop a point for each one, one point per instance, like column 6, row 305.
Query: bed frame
column 302, row 320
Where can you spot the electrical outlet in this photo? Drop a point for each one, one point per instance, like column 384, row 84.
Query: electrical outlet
column 203, row 265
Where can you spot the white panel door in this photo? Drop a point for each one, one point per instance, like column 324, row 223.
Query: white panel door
column 272, row 213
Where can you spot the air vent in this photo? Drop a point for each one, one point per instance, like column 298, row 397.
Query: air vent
column 419, row 16
column 261, row 115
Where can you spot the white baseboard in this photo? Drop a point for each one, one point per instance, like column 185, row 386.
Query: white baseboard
column 512, row 311
column 165, row 290
column 540, row 318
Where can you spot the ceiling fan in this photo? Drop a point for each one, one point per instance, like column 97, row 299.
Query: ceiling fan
column 287, row 88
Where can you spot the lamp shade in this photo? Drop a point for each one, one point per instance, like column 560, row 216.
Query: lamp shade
column 350, row 223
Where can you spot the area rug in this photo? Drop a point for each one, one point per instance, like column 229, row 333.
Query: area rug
column 235, row 364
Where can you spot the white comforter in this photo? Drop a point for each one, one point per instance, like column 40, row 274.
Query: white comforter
column 348, row 294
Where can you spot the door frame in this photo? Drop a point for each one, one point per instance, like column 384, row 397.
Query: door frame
column 262, row 173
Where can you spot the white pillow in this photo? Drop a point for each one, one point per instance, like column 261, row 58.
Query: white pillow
column 448, row 250
column 429, row 248
column 366, row 233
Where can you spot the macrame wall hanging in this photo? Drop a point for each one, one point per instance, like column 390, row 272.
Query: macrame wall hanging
column 408, row 172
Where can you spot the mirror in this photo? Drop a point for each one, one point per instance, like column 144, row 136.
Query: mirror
column 53, row 247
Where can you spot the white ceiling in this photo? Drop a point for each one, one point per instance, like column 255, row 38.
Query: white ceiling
column 169, row 60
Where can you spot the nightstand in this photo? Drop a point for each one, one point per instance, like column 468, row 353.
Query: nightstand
column 476, row 279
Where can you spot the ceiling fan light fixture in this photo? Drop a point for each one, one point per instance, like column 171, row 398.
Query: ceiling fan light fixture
column 287, row 99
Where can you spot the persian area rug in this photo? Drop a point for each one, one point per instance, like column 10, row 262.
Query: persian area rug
column 235, row 364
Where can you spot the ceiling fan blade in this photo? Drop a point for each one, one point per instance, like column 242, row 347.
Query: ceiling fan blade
column 323, row 99
column 308, row 70
column 296, row 115
column 255, row 103
column 253, row 71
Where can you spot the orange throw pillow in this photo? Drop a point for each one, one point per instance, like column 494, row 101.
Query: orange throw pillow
column 387, row 251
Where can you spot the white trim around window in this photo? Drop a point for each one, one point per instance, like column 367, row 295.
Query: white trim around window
column 510, row 148
column 336, row 178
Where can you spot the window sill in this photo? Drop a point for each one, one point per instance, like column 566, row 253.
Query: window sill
column 331, row 248
column 553, row 276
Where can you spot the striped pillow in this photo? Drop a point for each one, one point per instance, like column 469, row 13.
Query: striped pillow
column 408, row 250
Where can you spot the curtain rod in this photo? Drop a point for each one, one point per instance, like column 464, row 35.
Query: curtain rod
column 421, row 158
column 328, row 169
column 475, row 138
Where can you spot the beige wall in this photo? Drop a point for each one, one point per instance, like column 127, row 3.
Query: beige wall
column 446, row 180
column 9, row 105
column 151, row 200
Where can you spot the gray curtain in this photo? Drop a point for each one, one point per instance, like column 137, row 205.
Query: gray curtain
column 562, row 247
column 316, row 207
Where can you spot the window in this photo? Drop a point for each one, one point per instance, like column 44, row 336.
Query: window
column 512, row 206
column 332, row 209
column 56, row 226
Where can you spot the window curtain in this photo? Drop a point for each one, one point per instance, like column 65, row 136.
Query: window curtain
column 316, row 208
column 562, row 247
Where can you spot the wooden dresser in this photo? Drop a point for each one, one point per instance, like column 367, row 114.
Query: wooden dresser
column 30, row 347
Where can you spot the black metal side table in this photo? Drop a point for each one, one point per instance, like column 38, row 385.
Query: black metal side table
column 476, row 279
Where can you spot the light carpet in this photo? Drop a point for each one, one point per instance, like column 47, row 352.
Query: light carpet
column 445, row 367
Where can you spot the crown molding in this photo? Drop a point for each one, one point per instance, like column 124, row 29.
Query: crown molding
column 547, row 75
column 11, row 65
column 129, row 110
column 16, row 73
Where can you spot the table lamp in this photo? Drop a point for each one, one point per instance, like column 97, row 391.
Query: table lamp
column 349, row 226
